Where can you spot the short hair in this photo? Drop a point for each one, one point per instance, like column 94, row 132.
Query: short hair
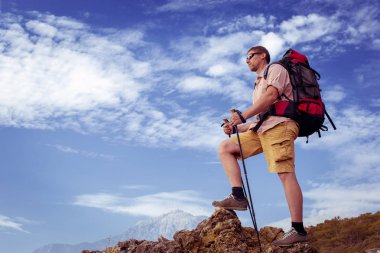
column 261, row 49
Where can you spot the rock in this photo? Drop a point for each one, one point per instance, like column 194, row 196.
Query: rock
column 377, row 250
column 221, row 233
column 270, row 234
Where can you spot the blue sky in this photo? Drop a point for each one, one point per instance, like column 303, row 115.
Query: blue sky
column 110, row 111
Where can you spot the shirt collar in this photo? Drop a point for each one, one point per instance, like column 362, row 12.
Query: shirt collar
column 261, row 73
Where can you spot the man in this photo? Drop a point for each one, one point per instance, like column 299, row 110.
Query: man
column 275, row 138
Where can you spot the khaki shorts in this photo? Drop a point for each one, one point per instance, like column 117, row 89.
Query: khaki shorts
column 277, row 144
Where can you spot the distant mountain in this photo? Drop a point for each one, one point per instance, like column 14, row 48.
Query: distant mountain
column 165, row 225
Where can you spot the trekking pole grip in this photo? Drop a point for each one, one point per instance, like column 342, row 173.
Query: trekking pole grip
column 243, row 120
column 226, row 123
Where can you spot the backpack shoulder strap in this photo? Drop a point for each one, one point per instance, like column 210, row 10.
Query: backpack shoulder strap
column 266, row 71
column 267, row 68
column 271, row 111
column 283, row 64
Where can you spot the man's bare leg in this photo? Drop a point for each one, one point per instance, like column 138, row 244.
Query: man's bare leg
column 294, row 198
column 293, row 195
column 228, row 152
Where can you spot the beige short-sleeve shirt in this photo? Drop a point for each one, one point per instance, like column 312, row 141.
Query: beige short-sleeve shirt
column 277, row 77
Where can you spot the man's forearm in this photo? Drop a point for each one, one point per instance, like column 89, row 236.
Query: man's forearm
column 262, row 104
column 244, row 127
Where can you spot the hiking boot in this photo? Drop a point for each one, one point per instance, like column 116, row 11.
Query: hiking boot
column 231, row 202
column 289, row 238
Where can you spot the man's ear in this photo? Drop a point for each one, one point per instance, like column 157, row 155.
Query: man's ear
column 263, row 56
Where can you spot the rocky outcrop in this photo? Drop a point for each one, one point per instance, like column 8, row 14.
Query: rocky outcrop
column 221, row 233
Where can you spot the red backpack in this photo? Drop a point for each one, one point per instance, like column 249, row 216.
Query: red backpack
column 306, row 108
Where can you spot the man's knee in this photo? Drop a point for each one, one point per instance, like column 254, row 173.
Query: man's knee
column 227, row 147
column 285, row 176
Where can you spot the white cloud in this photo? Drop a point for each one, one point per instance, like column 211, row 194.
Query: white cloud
column 314, row 32
column 218, row 47
column 308, row 28
column 179, row 5
column 202, row 132
column 247, row 22
column 364, row 23
column 7, row 223
column 200, row 53
column 329, row 33
column 147, row 205
column 284, row 224
column 198, row 84
column 334, row 94
column 355, row 125
column 59, row 76
column 274, row 43
column 67, row 149
column 353, row 146
column 41, row 28
column 137, row 187
column 223, row 68
column 221, row 57
column 331, row 200
column 260, row 21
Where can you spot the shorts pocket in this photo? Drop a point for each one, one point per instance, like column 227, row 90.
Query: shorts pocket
column 282, row 150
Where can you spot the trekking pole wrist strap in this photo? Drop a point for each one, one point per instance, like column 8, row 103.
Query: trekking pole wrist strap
column 240, row 115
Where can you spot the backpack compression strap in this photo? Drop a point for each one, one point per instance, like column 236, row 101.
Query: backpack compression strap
column 329, row 118
column 262, row 117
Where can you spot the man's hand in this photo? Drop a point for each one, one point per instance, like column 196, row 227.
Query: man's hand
column 228, row 129
column 235, row 119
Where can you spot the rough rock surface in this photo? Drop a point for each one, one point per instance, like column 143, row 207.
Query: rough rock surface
column 221, row 233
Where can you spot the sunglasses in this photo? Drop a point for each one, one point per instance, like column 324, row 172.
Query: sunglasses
column 251, row 55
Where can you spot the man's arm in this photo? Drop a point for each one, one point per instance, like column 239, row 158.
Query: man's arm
column 244, row 128
column 228, row 128
column 262, row 104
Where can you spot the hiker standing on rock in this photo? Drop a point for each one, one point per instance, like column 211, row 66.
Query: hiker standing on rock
column 275, row 138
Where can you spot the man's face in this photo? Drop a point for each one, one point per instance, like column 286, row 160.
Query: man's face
column 254, row 60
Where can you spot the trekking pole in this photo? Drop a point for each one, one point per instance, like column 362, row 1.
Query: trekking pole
column 250, row 202
column 245, row 194
column 248, row 197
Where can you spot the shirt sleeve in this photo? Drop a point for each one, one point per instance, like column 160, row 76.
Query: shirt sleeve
column 277, row 77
